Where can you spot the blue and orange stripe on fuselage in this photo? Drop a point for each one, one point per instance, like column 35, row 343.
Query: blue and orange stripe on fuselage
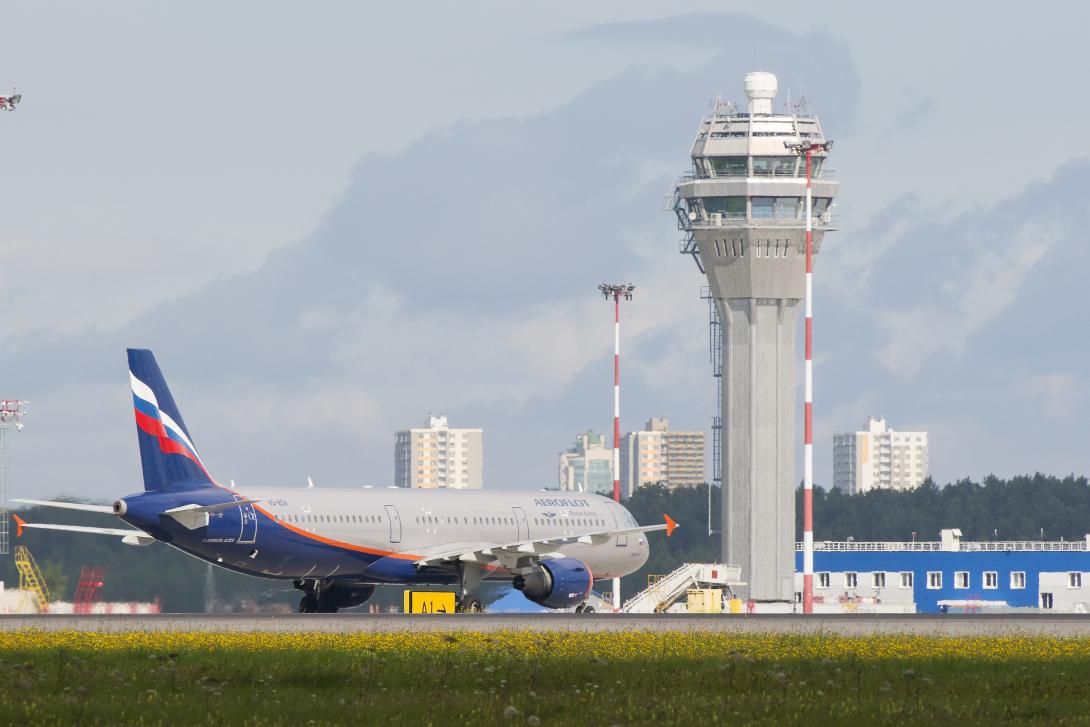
column 283, row 550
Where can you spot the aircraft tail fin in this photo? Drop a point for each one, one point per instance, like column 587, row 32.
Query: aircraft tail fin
column 167, row 453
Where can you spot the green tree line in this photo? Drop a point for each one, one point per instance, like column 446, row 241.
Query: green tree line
column 1027, row 507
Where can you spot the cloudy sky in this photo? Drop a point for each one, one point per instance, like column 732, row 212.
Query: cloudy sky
column 329, row 222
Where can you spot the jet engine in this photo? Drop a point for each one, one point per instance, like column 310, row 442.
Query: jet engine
column 346, row 595
column 556, row 583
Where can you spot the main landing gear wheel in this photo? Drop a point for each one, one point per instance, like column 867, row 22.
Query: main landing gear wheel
column 471, row 605
column 326, row 604
column 309, row 603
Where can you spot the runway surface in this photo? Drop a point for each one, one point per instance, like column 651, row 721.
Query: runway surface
column 847, row 625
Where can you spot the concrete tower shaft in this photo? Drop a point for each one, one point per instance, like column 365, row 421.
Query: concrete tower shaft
column 743, row 210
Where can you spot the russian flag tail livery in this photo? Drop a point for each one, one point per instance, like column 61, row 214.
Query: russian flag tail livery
column 167, row 455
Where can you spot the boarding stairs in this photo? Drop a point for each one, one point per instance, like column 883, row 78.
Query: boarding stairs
column 90, row 581
column 30, row 578
column 663, row 591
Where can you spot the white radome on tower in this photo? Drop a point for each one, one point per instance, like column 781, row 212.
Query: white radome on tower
column 761, row 88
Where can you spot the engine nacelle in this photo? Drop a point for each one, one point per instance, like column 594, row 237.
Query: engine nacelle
column 348, row 595
column 557, row 583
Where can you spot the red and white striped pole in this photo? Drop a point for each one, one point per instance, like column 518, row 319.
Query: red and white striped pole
column 617, row 424
column 617, row 397
column 808, row 413
column 616, row 292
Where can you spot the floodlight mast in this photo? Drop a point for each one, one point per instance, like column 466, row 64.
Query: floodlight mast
column 12, row 412
column 623, row 290
column 808, row 148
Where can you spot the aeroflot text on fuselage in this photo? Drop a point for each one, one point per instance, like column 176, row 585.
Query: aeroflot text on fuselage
column 560, row 502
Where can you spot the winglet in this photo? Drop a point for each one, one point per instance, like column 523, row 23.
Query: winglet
column 670, row 525
column 19, row 523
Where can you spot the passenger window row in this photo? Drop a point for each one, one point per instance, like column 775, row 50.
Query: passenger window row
column 500, row 520
column 332, row 519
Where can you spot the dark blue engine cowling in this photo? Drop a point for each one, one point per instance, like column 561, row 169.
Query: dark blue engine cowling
column 557, row 583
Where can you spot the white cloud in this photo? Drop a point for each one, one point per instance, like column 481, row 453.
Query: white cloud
column 986, row 285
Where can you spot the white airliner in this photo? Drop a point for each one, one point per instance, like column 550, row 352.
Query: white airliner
column 336, row 545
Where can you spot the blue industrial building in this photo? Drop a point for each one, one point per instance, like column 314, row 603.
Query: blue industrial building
column 949, row 575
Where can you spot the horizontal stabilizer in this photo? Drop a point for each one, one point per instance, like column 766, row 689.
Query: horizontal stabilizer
column 127, row 535
column 106, row 509
column 195, row 516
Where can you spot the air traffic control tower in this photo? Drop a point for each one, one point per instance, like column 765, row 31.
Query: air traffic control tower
column 742, row 208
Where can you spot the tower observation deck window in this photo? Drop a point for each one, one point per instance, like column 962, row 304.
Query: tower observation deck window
column 815, row 167
column 774, row 166
column 730, row 166
column 779, row 208
column 734, row 207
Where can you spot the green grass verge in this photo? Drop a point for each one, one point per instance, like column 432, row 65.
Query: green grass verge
column 229, row 687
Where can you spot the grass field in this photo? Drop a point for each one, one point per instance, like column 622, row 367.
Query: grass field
column 520, row 678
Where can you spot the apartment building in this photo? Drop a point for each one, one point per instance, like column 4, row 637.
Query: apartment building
column 437, row 456
column 879, row 457
column 657, row 454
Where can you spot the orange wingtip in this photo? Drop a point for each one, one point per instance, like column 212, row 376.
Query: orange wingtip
column 670, row 525
column 19, row 523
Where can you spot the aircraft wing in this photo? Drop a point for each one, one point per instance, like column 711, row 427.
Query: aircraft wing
column 525, row 552
column 129, row 536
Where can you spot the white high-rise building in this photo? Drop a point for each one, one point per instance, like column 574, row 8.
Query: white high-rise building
column 438, row 456
column 658, row 455
column 879, row 457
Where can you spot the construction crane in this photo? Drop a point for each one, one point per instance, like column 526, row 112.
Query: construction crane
column 30, row 577
column 90, row 580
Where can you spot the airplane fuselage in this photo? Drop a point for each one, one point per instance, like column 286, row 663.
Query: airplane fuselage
column 377, row 535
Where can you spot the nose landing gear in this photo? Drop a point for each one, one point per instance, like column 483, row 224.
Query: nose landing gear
column 469, row 579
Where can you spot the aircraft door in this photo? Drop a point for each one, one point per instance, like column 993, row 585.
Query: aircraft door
column 618, row 520
column 522, row 523
column 395, row 523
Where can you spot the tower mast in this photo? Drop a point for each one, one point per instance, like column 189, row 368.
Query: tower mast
column 624, row 290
